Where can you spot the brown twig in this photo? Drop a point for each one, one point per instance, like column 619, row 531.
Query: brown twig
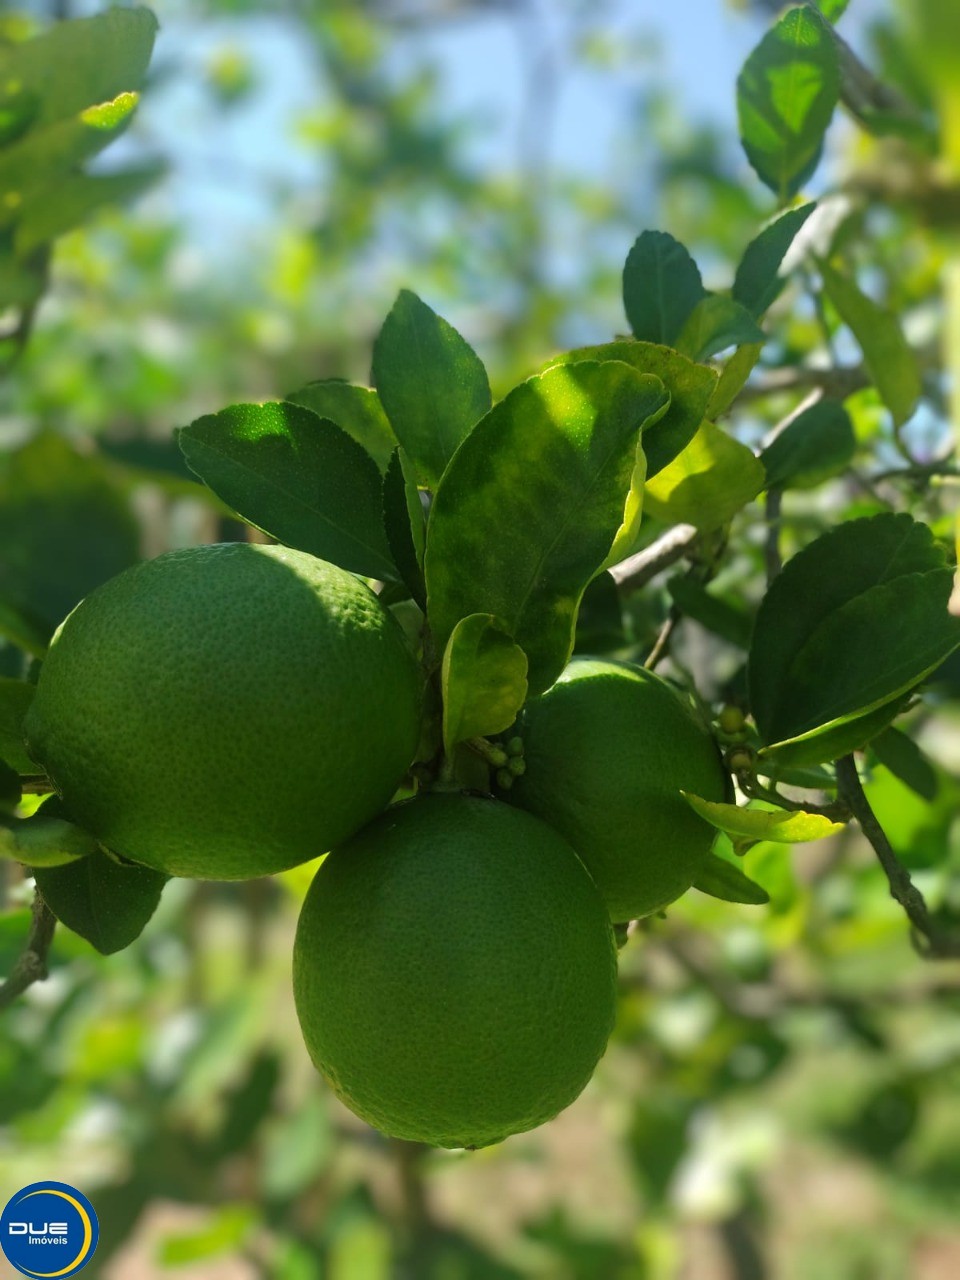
column 662, row 643
column 31, row 964
column 637, row 570
column 929, row 938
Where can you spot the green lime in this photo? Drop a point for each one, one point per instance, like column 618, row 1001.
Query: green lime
column 226, row 711
column 608, row 750
column 454, row 972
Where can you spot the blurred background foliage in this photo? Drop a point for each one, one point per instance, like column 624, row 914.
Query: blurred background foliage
column 780, row 1098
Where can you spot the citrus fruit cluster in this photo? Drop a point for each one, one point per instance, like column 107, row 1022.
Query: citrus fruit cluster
column 234, row 710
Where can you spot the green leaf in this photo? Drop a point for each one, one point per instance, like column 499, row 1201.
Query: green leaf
column 816, row 444
column 690, row 386
column 833, row 9
column 906, row 761
column 15, row 698
column 229, row 1228
column 356, row 410
column 779, row 825
column 10, row 791
column 708, row 483
column 297, row 477
column 721, row 879
column 786, row 95
column 484, row 678
column 65, row 527
column 823, row 648
column 532, row 503
column 891, row 363
column 45, row 841
column 431, row 383
column 79, row 64
column 733, row 378
column 710, row 610
column 404, row 523
column 871, row 650
column 50, row 153
column 758, row 280
column 104, row 901
column 56, row 209
column 715, row 323
column 830, row 743
column 18, row 111
column 661, row 286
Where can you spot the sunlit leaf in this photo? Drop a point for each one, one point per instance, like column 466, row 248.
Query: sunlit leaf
column 786, row 95
column 708, row 483
column 431, row 383
column 779, row 825
column 532, row 503
column 690, row 386
column 45, row 841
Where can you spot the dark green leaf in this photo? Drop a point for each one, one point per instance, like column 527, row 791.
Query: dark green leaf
column 297, row 477
column 65, row 527
column 661, row 286
column 855, row 619
column 431, row 383
column 532, row 504
column 831, row 743
column 906, row 761
column 9, row 790
column 758, row 280
column 15, row 697
column 715, row 323
column 711, row 611
column 600, row 618
column 57, row 209
column 690, row 386
column 18, row 111
column 886, row 352
column 45, row 840
column 484, row 680
column 355, row 409
column 816, row 444
column 104, row 901
column 78, row 64
column 786, row 95
column 404, row 523
column 721, row 879
column 708, row 483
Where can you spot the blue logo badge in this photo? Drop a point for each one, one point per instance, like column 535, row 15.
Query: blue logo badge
column 49, row 1229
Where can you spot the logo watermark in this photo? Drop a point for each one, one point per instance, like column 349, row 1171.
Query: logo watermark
column 49, row 1229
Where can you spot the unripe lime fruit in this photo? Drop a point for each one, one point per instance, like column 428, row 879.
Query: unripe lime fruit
column 608, row 750
column 454, row 972
column 226, row 711
column 732, row 719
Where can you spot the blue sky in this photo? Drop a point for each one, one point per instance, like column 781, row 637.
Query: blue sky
column 222, row 160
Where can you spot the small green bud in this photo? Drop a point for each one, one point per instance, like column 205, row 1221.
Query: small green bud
column 514, row 747
column 504, row 779
column 732, row 719
column 517, row 766
column 740, row 759
column 496, row 757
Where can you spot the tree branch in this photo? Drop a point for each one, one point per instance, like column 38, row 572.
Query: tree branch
column 31, row 964
column 929, row 938
column 637, row 570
